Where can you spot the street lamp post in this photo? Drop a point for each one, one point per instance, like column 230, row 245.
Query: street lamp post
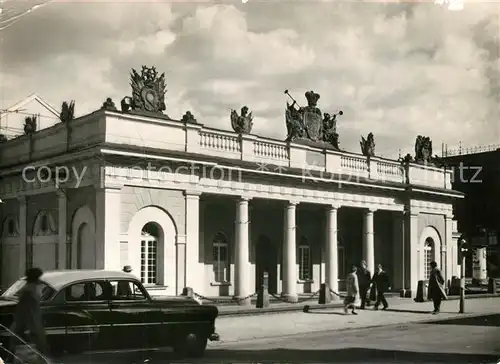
column 463, row 249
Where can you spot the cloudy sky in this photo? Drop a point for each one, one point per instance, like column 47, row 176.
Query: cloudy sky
column 395, row 69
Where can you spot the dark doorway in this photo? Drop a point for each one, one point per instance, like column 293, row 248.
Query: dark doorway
column 266, row 261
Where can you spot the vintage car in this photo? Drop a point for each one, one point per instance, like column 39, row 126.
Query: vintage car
column 87, row 310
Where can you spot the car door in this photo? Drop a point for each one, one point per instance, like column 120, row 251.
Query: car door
column 131, row 313
column 87, row 316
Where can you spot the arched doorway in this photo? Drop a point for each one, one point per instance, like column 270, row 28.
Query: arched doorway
column 430, row 250
column 428, row 257
column 85, row 248
column 152, row 254
column 151, row 249
column 266, row 260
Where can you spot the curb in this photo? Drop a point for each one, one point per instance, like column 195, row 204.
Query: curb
column 316, row 306
column 268, row 310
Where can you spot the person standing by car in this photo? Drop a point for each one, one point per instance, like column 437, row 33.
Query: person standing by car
column 352, row 291
column 382, row 285
column 28, row 315
column 436, row 288
column 364, row 280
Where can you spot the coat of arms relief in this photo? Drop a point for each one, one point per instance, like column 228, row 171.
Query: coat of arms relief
column 308, row 123
column 148, row 91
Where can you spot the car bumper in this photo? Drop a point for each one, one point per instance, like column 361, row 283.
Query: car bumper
column 214, row 337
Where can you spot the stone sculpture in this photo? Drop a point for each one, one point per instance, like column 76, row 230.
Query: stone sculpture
column 109, row 105
column 148, row 90
column 30, row 125
column 423, row 149
column 188, row 117
column 368, row 145
column 67, row 111
column 242, row 124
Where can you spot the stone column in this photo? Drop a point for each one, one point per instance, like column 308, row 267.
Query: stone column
column 289, row 290
column 412, row 251
column 398, row 262
column 62, row 216
column 331, row 250
column 107, row 234
column 23, row 237
column 242, row 246
column 368, row 241
column 193, row 265
column 446, row 246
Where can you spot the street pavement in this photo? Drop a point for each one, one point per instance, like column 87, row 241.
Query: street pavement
column 407, row 333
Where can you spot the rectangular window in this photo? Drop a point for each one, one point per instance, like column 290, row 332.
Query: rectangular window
column 220, row 262
column 305, row 266
column 341, row 262
column 29, row 256
column 427, row 261
column 148, row 261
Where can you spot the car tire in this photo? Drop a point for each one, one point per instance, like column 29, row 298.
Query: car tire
column 191, row 346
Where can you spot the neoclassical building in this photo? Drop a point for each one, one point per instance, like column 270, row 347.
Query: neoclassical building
column 188, row 205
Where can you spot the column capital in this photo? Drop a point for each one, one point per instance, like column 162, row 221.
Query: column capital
column 192, row 193
column 61, row 194
column 290, row 203
column 370, row 210
column 333, row 206
column 244, row 199
column 21, row 199
column 109, row 187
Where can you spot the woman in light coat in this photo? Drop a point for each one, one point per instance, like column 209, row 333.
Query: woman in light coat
column 352, row 291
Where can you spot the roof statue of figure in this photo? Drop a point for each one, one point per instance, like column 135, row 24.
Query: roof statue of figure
column 242, row 124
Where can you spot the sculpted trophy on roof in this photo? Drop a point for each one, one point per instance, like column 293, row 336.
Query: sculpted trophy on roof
column 148, row 91
column 308, row 123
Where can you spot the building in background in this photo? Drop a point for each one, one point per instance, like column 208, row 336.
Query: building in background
column 12, row 119
column 477, row 175
column 188, row 205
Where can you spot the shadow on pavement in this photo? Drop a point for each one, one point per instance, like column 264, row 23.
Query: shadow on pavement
column 486, row 320
column 346, row 355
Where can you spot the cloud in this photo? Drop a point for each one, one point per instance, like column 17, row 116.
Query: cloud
column 397, row 70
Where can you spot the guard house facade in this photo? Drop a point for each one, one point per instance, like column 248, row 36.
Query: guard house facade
column 188, row 205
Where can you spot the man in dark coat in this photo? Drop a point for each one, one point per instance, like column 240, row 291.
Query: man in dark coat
column 28, row 315
column 436, row 288
column 382, row 285
column 364, row 281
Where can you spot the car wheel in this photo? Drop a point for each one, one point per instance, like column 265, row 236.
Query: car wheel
column 191, row 346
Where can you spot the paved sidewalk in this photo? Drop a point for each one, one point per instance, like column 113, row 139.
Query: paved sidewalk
column 240, row 328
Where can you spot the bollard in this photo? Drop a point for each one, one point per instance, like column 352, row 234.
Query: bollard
column 325, row 296
column 421, row 292
column 492, row 286
column 262, row 297
column 454, row 289
column 187, row 291
column 263, row 294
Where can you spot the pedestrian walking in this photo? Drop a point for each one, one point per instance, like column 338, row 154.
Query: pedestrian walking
column 382, row 285
column 352, row 291
column 364, row 279
column 28, row 315
column 436, row 287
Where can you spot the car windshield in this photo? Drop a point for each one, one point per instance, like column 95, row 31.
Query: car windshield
column 13, row 291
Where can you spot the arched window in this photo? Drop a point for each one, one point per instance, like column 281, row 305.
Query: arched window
column 11, row 227
column 305, row 261
column 220, row 258
column 149, row 254
column 44, row 223
column 428, row 257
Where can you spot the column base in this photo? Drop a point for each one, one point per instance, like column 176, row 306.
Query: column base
column 293, row 298
column 243, row 302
